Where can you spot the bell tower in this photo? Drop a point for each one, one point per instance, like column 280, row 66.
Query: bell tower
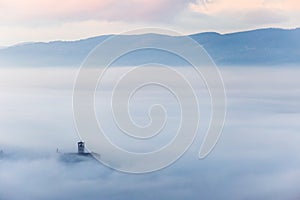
column 80, row 146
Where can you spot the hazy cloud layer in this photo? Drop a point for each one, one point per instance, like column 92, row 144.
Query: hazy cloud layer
column 256, row 157
column 107, row 10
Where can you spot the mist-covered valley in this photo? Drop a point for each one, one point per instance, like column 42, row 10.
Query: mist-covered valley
column 256, row 156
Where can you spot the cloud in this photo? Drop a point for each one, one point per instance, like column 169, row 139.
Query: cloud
column 132, row 10
column 106, row 10
column 249, row 13
column 219, row 6
column 256, row 157
column 34, row 20
column 262, row 16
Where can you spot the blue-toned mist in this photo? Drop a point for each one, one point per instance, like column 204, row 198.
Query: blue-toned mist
column 257, row 156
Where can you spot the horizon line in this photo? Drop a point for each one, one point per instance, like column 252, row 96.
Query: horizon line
column 191, row 34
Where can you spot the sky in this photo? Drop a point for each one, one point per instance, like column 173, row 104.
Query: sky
column 47, row 20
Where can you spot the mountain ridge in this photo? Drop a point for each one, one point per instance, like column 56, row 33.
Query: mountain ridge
column 269, row 46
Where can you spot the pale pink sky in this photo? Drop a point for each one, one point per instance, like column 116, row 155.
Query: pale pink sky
column 44, row 20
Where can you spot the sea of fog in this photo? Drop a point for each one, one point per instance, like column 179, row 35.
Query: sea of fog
column 257, row 156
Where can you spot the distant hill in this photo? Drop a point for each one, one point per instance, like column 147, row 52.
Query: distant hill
column 256, row 47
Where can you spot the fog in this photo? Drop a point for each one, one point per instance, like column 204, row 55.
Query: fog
column 257, row 156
